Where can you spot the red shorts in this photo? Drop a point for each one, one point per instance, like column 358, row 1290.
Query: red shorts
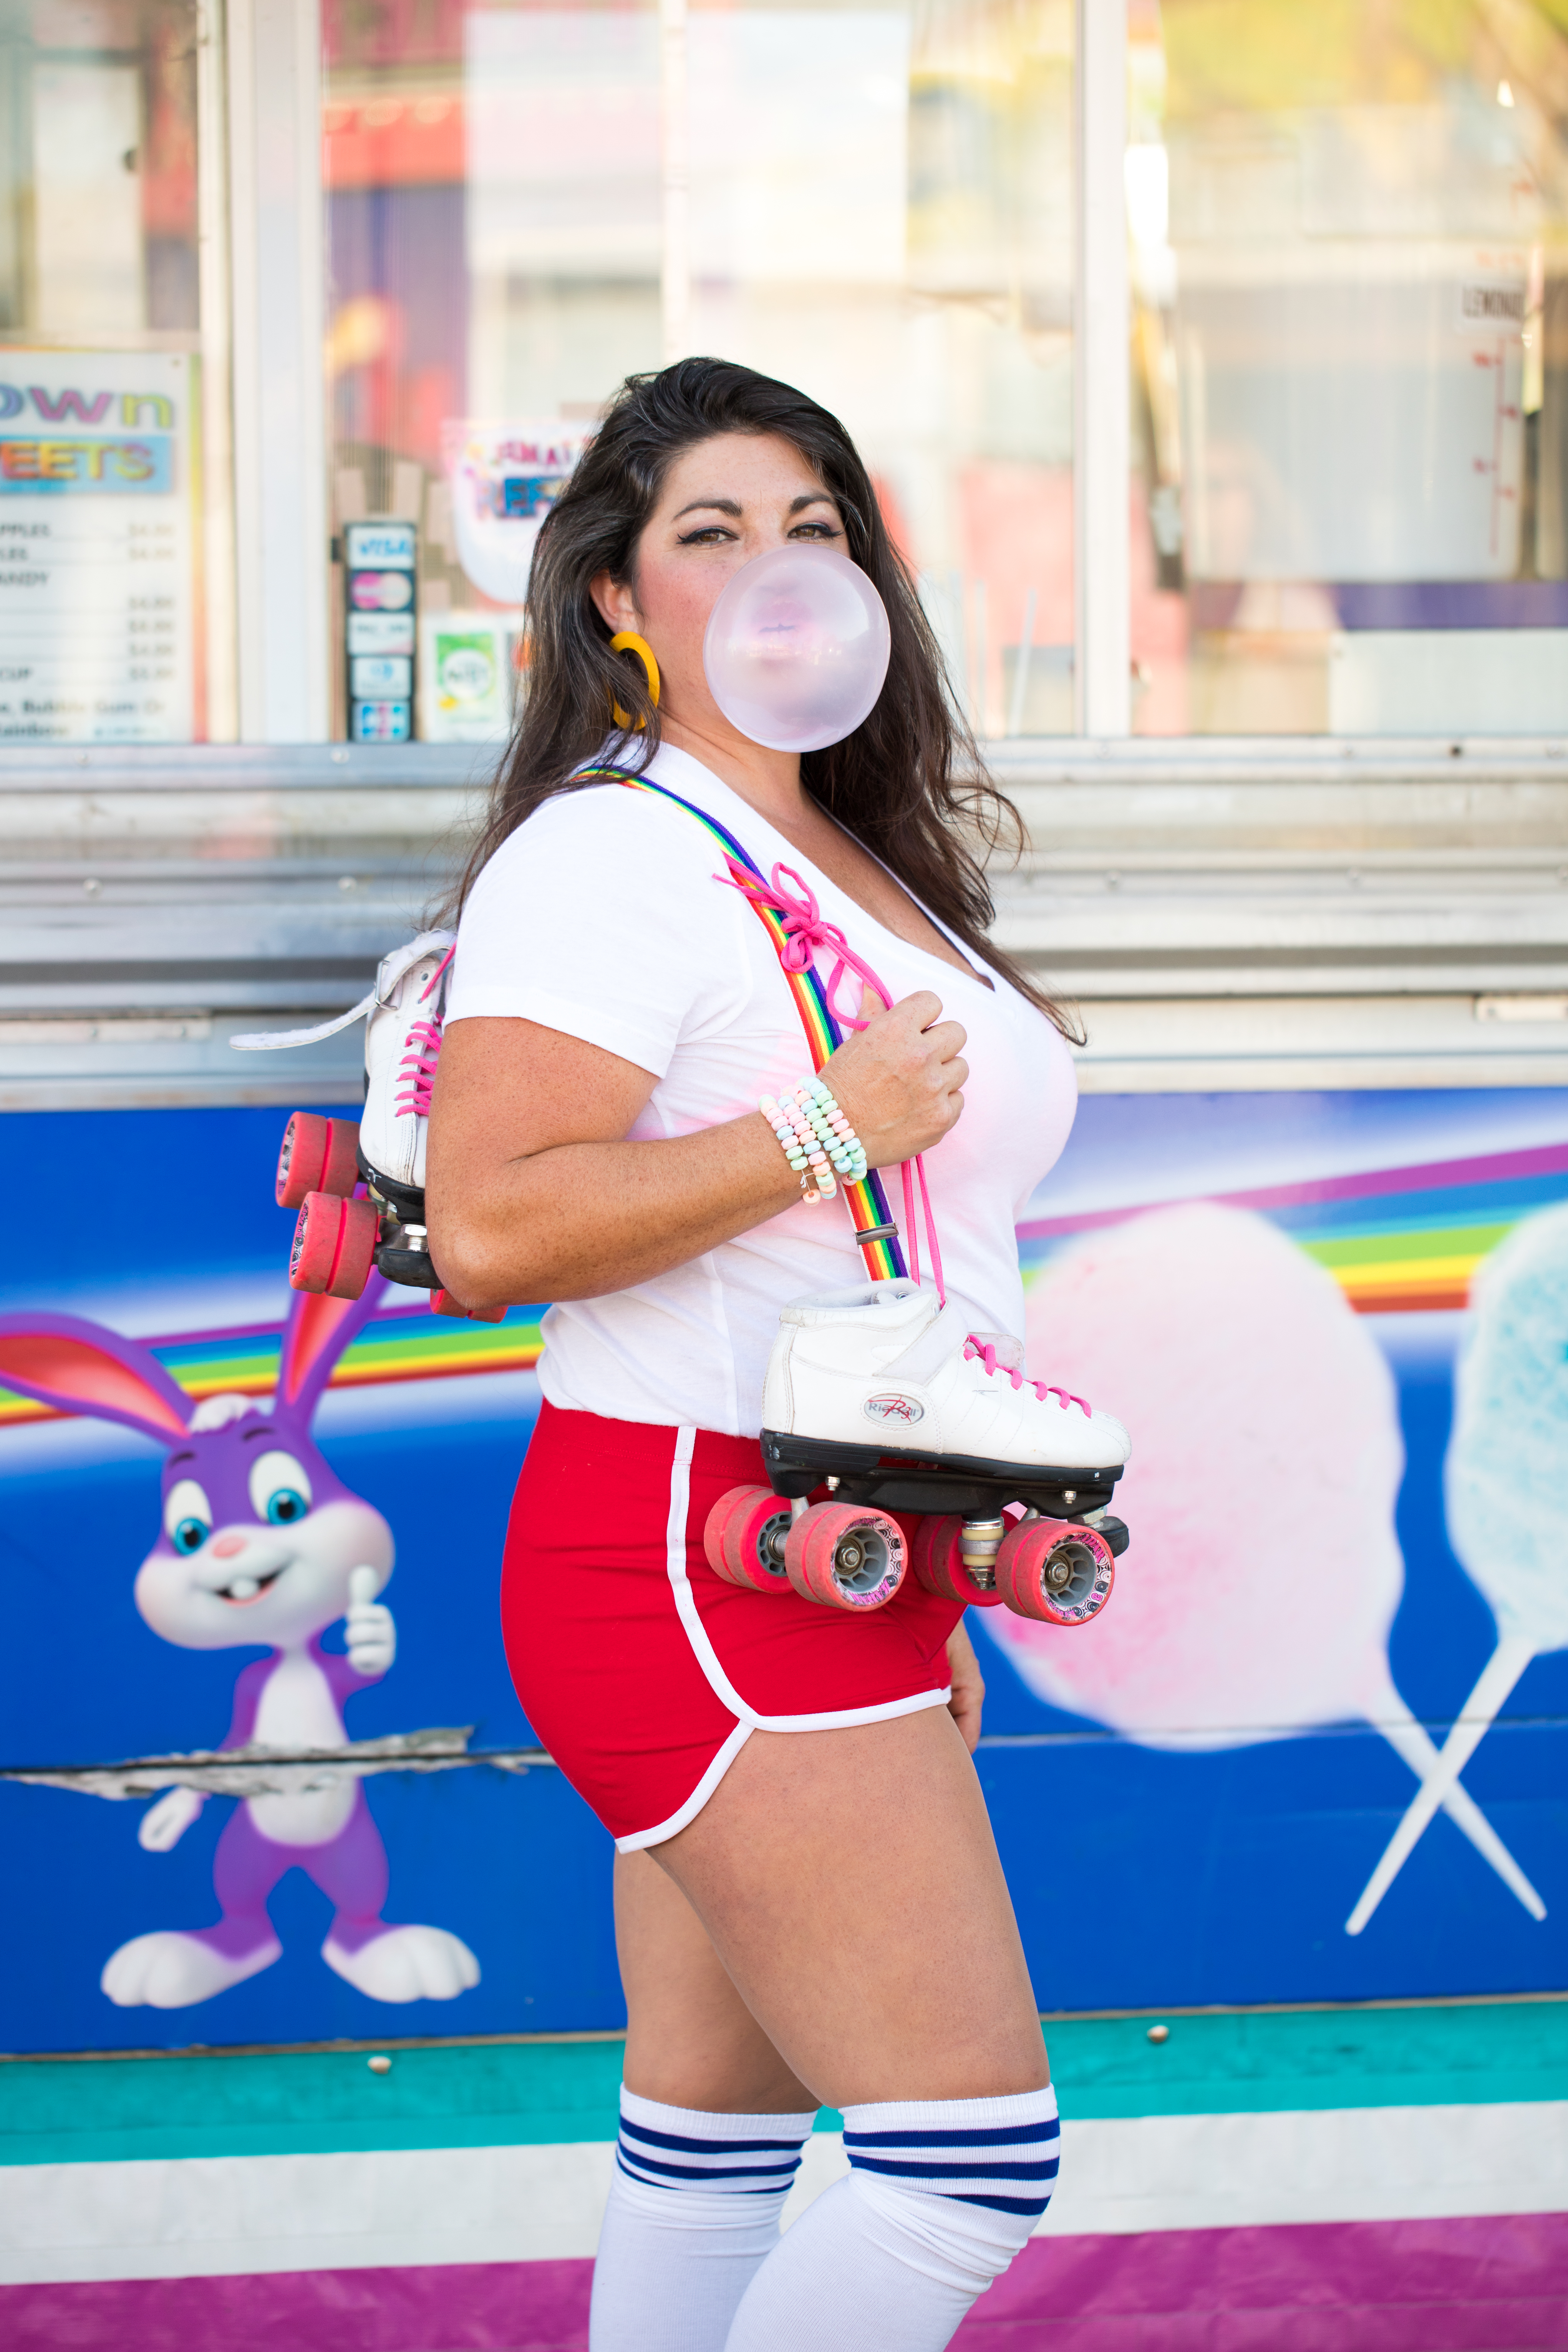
column 641, row 1671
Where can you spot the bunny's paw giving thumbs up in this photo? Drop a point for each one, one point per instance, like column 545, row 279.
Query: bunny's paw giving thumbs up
column 373, row 1636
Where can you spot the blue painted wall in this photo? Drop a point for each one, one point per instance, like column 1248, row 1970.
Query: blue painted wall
column 1141, row 1877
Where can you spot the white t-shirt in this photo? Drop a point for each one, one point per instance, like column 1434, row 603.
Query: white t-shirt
column 601, row 916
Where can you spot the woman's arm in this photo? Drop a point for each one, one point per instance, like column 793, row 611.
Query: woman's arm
column 533, row 1191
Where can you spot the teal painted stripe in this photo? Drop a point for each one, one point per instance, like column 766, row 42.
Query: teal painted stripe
column 1253, row 2061
column 303, row 2103
column 62, row 2111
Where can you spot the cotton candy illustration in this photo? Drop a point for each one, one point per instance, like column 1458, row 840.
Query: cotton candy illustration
column 1506, row 1491
column 1257, row 1600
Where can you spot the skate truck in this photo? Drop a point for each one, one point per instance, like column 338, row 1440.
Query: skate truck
column 360, row 1188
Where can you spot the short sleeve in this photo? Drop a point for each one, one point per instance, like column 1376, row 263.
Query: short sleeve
column 601, row 916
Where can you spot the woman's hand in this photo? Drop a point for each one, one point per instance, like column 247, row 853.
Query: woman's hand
column 968, row 1685
column 900, row 1080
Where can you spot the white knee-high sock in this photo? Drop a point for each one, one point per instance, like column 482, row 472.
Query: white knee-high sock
column 940, row 2196
column 693, row 2212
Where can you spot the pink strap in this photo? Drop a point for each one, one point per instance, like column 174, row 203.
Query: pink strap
column 808, row 930
column 440, row 967
column 931, row 1230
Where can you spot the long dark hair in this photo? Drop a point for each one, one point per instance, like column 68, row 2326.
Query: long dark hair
column 909, row 782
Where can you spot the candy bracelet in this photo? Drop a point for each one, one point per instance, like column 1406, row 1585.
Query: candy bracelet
column 816, row 1139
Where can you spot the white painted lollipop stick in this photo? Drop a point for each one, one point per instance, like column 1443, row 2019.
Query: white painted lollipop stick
column 1498, row 1677
column 1411, row 1744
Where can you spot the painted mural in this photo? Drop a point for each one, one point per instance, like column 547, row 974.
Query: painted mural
column 1313, row 1749
column 259, row 1543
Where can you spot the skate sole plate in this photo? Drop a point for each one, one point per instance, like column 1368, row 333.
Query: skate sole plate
column 899, row 1478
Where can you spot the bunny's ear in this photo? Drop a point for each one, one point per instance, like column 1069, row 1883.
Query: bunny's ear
column 319, row 1329
column 78, row 1367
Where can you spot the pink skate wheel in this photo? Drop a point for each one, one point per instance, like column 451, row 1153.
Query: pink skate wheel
column 1055, row 1571
column 740, row 1536
column 934, row 1556
column 302, row 1160
column 360, row 1233
column 319, row 1155
column 443, row 1303
column 315, row 1248
column 340, row 1173
column 845, row 1555
column 334, row 1246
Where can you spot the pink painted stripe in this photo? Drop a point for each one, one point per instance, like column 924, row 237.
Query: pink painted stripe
column 1488, row 2285
column 1427, row 1176
column 1465, row 2285
column 456, row 2307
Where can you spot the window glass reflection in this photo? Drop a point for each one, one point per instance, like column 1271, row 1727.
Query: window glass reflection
column 527, row 203
column 1347, row 231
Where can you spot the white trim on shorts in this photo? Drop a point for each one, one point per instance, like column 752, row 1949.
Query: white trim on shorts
column 747, row 1719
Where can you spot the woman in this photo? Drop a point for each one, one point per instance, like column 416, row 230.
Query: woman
column 809, row 1906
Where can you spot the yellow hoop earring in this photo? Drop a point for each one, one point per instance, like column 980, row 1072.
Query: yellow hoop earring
column 629, row 642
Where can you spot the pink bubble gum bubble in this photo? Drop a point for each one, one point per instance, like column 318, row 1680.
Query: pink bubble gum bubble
column 797, row 649
column 1263, row 1571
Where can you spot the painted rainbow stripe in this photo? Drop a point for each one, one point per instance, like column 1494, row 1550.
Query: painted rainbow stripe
column 867, row 1202
column 408, row 1344
column 1396, row 1239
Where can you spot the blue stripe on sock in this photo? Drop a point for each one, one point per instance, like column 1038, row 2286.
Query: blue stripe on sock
column 1003, row 2136
column 671, row 2139
column 633, row 2160
column 633, row 2172
column 1045, row 2169
column 1007, row 2204
column 696, row 2146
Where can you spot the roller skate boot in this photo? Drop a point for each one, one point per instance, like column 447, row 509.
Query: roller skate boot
column 343, row 1232
column 902, row 1406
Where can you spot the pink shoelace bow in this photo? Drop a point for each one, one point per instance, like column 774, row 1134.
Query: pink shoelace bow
column 416, row 1071
column 983, row 1351
column 808, row 929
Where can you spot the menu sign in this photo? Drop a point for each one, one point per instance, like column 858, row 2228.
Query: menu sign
column 97, row 521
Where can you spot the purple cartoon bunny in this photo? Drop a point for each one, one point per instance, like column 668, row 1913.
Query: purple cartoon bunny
column 260, row 1542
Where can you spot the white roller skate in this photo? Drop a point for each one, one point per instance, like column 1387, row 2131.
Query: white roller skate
column 340, row 1233
column 896, row 1403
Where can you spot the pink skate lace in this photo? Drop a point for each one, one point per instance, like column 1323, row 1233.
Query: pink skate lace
column 809, row 928
column 416, row 1071
column 981, row 1352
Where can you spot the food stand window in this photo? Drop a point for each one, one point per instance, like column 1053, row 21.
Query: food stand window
column 115, row 609
column 1349, row 340
column 525, row 204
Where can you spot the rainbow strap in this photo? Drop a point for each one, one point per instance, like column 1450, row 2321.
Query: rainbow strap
column 868, row 1201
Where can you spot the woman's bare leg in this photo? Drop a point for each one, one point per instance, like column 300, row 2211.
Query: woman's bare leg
column 712, row 2125
column 833, row 1926
column 849, row 1885
column 691, row 2041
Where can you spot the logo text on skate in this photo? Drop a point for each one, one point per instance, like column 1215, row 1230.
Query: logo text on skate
column 890, row 1406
